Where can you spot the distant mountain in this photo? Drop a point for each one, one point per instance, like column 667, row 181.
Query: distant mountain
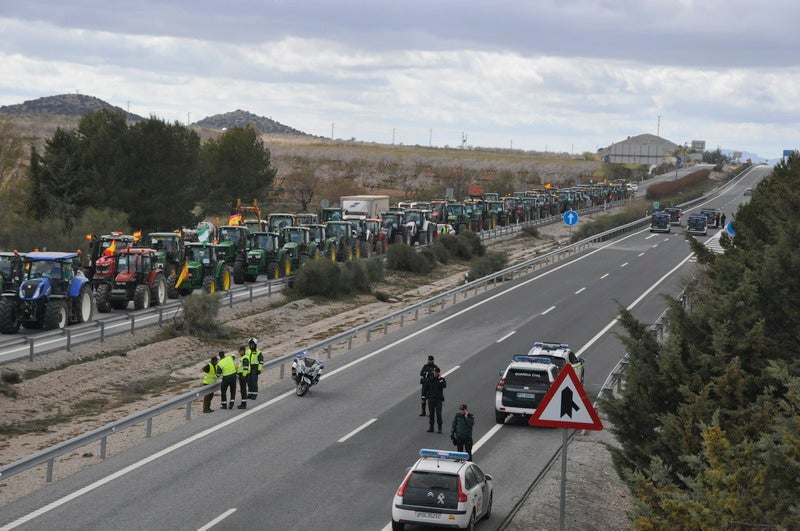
column 239, row 118
column 64, row 105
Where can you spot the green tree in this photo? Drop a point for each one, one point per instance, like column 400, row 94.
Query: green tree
column 106, row 155
column 235, row 165
column 161, row 190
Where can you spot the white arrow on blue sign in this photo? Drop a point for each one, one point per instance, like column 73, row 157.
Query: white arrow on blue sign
column 571, row 217
column 729, row 228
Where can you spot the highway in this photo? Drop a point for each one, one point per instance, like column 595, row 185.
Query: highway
column 333, row 459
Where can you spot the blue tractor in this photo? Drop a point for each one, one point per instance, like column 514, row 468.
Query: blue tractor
column 53, row 293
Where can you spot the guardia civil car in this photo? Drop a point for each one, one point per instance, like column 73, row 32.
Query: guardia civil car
column 443, row 489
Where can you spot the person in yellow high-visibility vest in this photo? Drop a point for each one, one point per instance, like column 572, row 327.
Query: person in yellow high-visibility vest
column 227, row 367
column 209, row 378
column 256, row 359
column 243, row 371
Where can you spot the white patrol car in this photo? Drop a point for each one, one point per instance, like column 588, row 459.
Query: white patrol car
column 523, row 385
column 560, row 354
column 443, row 489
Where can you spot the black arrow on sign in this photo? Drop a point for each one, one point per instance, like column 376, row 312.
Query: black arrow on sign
column 567, row 404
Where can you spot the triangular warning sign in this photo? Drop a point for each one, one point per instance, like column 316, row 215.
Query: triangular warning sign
column 566, row 405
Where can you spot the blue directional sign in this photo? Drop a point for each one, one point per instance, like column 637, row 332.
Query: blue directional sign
column 680, row 161
column 729, row 228
column 571, row 217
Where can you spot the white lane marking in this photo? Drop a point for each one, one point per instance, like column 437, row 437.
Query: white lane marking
column 582, row 289
column 488, row 435
column 654, row 246
column 451, row 371
column 367, row 423
column 604, row 276
column 623, row 265
column 667, row 239
column 506, row 336
column 632, row 305
column 550, row 309
column 218, row 519
column 651, row 236
column 640, row 254
column 166, row 451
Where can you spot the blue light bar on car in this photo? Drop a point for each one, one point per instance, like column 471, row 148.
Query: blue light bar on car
column 443, row 454
column 533, row 359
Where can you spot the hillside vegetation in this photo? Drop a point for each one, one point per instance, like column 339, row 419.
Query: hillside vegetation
column 709, row 420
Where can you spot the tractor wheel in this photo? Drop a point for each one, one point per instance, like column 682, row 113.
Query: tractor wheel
column 158, row 293
column 238, row 272
column 316, row 254
column 225, row 277
column 272, row 270
column 55, row 315
column 423, row 238
column 208, row 284
column 9, row 324
column 333, row 255
column 172, row 291
column 365, row 249
column 141, row 297
column 102, row 296
column 286, row 267
column 349, row 254
column 82, row 305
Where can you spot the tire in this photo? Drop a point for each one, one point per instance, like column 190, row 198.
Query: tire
column 272, row 270
column 286, row 267
column 9, row 323
column 333, row 255
column 365, row 249
column 209, row 286
column 158, row 293
column 238, row 272
column 302, row 388
column 172, row 291
column 398, row 526
column 83, row 305
column 102, row 297
column 488, row 512
column 141, row 297
column 500, row 417
column 55, row 315
column 423, row 238
column 225, row 277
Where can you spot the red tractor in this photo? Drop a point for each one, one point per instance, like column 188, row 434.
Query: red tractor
column 137, row 278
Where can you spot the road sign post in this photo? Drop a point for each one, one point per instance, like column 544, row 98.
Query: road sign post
column 571, row 218
column 565, row 406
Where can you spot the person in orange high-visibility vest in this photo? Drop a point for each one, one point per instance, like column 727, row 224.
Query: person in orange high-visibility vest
column 209, row 378
column 227, row 367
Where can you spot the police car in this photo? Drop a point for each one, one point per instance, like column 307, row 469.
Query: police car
column 443, row 489
column 523, row 385
column 559, row 354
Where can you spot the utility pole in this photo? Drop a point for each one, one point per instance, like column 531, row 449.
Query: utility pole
column 393, row 131
column 332, row 124
column 430, row 137
column 188, row 118
column 658, row 128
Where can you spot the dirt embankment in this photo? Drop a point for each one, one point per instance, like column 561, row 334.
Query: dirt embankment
column 97, row 383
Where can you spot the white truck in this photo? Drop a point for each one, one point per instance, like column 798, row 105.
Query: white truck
column 364, row 206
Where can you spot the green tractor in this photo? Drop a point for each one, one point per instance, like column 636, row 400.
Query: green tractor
column 169, row 256
column 262, row 258
column 325, row 244
column 457, row 216
column 276, row 222
column 297, row 249
column 204, row 269
column 233, row 248
column 346, row 245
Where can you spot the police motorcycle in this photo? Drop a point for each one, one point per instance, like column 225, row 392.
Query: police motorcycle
column 306, row 372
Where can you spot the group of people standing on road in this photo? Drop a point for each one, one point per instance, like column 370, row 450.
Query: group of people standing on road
column 245, row 372
column 433, row 386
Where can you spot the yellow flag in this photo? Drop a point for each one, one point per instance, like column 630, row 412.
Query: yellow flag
column 111, row 249
column 183, row 275
column 235, row 219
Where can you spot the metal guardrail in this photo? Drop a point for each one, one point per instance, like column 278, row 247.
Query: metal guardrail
column 67, row 337
column 380, row 325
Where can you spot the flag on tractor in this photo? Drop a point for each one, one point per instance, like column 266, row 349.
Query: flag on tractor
column 111, row 249
column 547, row 186
column 203, row 234
column 137, row 235
column 183, row 275
column 235, row 219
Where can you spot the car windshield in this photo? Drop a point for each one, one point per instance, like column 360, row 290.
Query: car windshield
column 416, row 217
column 265, row 241
column 295, row 236
column 199, row 254
column 316, row 233
column 390, row 220
column 338, row 229
column 455, row 210
column 231, row 234
column 128, row 262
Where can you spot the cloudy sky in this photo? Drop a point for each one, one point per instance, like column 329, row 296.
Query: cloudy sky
column 561, row 75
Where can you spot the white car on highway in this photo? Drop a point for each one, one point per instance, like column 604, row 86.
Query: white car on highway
column 443, row 489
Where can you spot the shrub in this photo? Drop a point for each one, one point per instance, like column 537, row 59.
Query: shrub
column 486, row 265
column 375, row 269
column 530, row 231
column 382, row 296
column 355, row 276
column 440, row 252
column 200, row 316
column 318, row 277
column 474, row 242
column 403, row 257
column 457, row 246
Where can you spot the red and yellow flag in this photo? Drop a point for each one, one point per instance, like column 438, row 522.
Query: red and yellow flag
column 137, row 235
column 111, row 249
column 235, row 219
column 183, row 275
column 547, row 186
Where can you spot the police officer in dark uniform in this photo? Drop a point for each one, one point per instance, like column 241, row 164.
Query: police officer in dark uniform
column 427, row 370
column 434, row 393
